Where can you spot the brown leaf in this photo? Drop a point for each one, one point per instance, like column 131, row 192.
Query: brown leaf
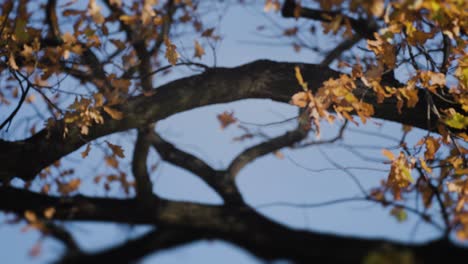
column 85, row 153
column 199, row 51
column 116, row 149
column 226, row 119
column 115, row 114
column 71, row 186
column 171, row 54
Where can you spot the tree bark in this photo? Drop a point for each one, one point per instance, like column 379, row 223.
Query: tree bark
column 260, row 79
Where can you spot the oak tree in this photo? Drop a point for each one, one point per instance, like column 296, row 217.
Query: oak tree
column 77, row 75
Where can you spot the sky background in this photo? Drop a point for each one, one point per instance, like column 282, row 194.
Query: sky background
column 269, row 179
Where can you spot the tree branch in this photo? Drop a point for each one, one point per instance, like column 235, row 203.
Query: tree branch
column 362, row 27
column 239, row 225
column 215, row 179
column 260, row 79
column 144, row 186
column 274, row 144
column 135, row 249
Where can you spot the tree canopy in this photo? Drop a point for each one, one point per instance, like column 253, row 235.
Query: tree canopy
column 77, row 75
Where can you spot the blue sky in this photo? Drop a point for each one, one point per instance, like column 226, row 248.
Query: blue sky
column 269, row 179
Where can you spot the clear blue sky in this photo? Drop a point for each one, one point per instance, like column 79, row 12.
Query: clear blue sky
column 269, row 179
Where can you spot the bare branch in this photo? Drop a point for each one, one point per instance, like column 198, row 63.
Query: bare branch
column 274, row 144
column 230, row 223
column 135, row 249
column 215, row 179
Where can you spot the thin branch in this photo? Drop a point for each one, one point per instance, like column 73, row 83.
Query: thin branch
column 274, row 144
column 135, row 249
column 350, row 174
column 24, row 93
column 362, row 27
column 338, row 50
column 215, row 179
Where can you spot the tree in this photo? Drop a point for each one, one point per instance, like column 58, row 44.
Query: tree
column 400, row 61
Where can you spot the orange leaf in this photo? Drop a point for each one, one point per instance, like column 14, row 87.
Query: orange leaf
column 226, row 119
column 300, row 99
column 387, row 153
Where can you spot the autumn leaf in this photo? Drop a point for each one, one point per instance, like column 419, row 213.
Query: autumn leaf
column 399, row 213
column 115, row 114
column 387, row 153
column 116, row 150
column 199, row 51
column 171, row 54
column 271, row 5
column 300, row 99
column 85, row 153
column 300, row 79
column 95, row 11
column 432, row 145
column 112, row 161
column 226, row 119
column 456, row 120
column 208, row 33
column 69, row 187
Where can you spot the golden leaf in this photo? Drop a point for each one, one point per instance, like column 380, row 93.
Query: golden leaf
column 432, row 145
column 199, row 51
column 300, row 99
column 387, row 153
column 30, row 216
column 171, row 54
column 299, row 78
column 49, row 212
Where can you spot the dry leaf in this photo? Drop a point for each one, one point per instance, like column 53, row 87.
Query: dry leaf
column 85, row 153
column 115, row 114
column 199, row 51
column 116, row 149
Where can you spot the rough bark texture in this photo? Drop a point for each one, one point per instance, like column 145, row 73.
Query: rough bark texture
column 241, row 226
column 260, row 79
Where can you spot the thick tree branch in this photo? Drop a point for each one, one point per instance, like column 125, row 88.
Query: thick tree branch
column 259, row 79
column 135, row 249
column 144, row 186
column 239, row 225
